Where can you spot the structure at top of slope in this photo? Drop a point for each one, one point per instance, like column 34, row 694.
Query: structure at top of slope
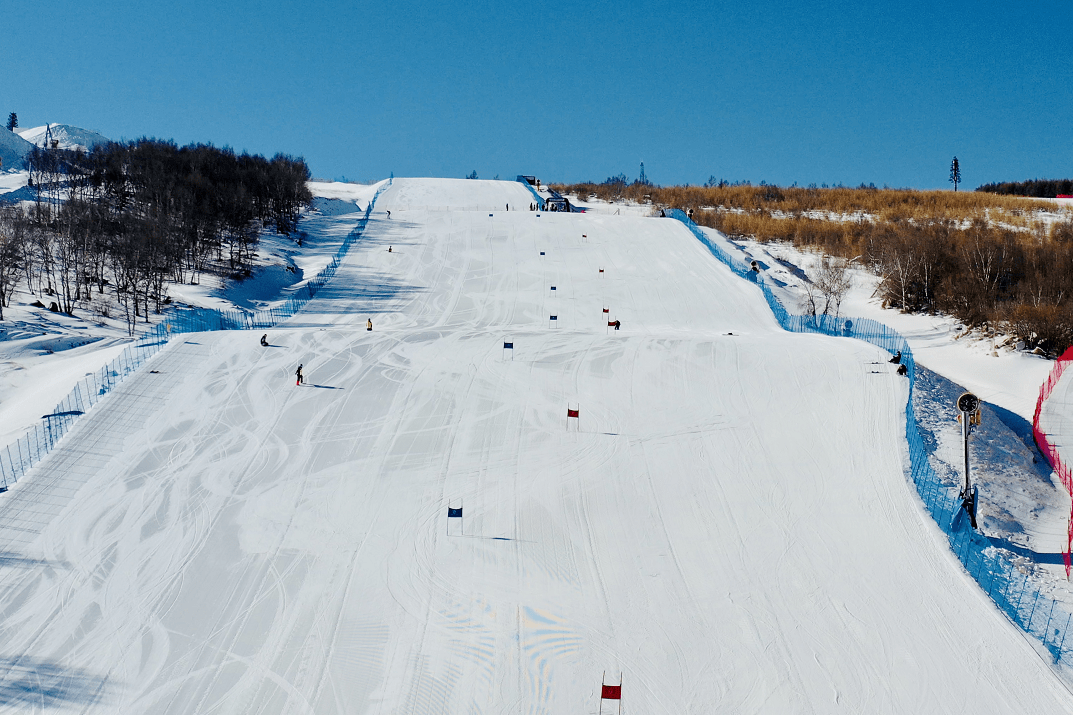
column 65, row 136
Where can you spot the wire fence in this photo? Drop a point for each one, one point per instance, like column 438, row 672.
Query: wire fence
column 20, row 457
column 1008, row 585
column 1049, row 449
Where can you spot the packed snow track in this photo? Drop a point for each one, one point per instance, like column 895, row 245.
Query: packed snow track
column 727, row 523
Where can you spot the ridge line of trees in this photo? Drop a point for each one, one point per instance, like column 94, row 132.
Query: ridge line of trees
column 1037, row 188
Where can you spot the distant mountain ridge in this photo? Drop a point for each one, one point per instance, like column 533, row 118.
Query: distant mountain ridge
column 69, row 137
column 14, row 146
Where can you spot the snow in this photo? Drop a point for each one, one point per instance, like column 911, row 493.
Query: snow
column 728, row 523
column 356, row 193
column 13, row 150
column 69, row 137
column 13, row 180
column 43, row 354
column 1003, row 376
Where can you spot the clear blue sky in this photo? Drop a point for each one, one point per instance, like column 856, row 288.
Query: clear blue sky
column 823, row 92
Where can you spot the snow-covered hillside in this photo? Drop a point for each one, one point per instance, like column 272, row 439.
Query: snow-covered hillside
column 13, row 150
column 727, row 524
column 68, row 136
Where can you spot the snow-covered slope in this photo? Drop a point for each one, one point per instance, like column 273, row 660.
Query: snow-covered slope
column 727, row 524
column 13, row 150
column 69, row 137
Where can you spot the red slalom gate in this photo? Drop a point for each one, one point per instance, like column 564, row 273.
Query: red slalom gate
column 1050, row 452
column 610, row 692
column 575, row 413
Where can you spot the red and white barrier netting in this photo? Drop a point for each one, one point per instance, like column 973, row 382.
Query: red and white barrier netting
column 1049, row 450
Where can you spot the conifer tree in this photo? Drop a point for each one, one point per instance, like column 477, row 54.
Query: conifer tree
column 12, row 121
column 955, row 173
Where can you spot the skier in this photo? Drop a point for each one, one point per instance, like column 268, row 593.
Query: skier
column 264, row 340
column 618, row 324
column 389, row 249
column 369, row 324
column 897, row 359
column 389, row 214
column 298, row 373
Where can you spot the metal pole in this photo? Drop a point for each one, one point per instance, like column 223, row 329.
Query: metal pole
column 965, row 436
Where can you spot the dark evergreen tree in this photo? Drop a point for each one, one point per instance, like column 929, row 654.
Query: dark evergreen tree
column 12, row 121
column 955, row 173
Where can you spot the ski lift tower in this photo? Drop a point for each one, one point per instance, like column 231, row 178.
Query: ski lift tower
column 968, row 415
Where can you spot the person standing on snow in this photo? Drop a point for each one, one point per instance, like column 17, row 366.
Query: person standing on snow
column 298, row 373
column 369, row 324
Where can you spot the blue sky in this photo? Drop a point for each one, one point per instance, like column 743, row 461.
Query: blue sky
column 824, row 92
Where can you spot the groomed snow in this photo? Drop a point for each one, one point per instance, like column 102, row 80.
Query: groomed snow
column 728, row 524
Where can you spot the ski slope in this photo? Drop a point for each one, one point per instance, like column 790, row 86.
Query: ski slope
column 727, row 523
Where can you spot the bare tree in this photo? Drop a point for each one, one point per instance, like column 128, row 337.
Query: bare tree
column 834, row 281
column 827, row 286
column 12, row 238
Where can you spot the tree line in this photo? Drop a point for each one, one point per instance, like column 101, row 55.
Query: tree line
column 1038, row 188
column 132, row 217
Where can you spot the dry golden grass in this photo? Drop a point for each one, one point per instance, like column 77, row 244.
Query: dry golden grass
column 883, row 205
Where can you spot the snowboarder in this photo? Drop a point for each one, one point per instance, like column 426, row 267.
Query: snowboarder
column 264, row 340
column 389, row 214
column 662, row 213
column 618, row 324
column 389, row 249
column 369, row 324
column 298, row 373
column 903, row 370
column 897, row 359
column 690, row 214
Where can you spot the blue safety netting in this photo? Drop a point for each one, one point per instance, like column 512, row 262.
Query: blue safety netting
column 1009, row 586
column 538, row 197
